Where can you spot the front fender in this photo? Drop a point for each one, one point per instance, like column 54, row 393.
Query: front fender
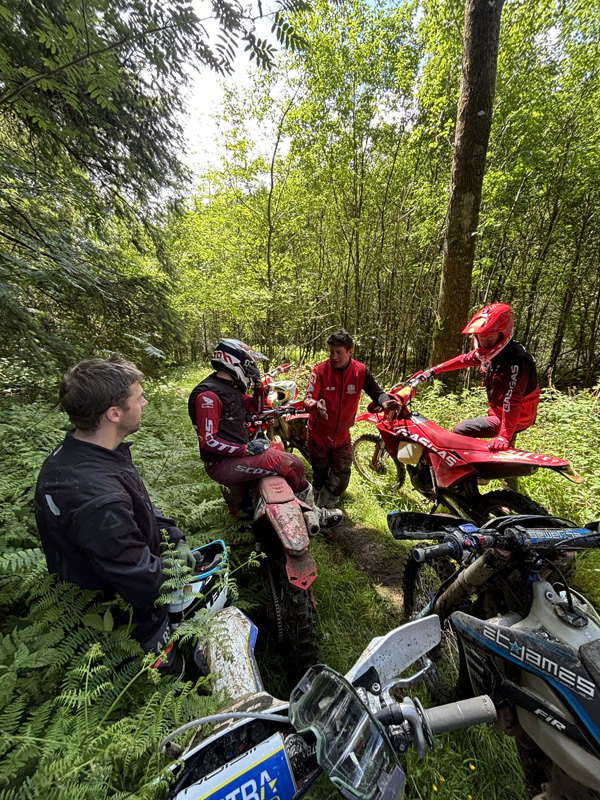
column 368, row 417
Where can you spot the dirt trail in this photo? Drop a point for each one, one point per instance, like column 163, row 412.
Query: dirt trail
column 383, row 567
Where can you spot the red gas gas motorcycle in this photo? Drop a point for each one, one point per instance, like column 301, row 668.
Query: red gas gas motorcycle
column 282, row 526
column 446, row 467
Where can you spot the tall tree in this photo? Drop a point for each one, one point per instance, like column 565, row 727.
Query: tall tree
column 473, row 125
column 92, row 95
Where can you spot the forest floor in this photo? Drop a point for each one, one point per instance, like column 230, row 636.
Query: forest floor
column 385, row 570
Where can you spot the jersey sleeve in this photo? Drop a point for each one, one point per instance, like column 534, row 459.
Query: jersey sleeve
column 313, row 390
column 257, row 403
column 373, row 389
column 512, row 403
column 208, row 414
column 460, row 362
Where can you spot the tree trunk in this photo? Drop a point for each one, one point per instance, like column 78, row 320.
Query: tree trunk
column 570, row 291
column 473, row 123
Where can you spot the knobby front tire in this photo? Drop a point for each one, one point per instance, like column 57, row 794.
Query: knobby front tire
column 382, row 471
column 446, row 679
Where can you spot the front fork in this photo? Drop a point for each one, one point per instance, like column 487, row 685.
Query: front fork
column 467, row 582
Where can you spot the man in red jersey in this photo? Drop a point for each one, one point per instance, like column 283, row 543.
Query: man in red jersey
column 509, row 377
column 332, row 397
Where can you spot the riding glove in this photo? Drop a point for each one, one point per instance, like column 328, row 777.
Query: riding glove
column 257, row 446
column 421, row 377
column 498, row 443
column 252, row 372
column 184, row 553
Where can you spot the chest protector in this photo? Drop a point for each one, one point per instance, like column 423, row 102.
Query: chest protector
column 233, row 414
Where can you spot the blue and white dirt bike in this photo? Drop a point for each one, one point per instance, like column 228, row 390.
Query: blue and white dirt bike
column 349, row 727
column 512, row 628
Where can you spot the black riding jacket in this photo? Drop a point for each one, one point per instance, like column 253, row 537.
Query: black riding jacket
column 99, row 528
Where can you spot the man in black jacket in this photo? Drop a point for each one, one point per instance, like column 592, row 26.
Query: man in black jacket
column 98, row 527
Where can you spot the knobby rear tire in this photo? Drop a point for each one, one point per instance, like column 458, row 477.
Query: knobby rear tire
column 300, row 645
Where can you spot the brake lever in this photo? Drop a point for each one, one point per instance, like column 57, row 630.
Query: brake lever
column 403, row 683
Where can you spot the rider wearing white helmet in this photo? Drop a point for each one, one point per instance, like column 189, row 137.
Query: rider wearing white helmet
column 217, row 407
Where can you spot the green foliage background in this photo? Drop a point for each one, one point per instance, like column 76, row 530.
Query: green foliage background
column 333, row 216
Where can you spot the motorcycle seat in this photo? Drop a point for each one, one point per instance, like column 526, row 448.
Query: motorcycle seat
column 453, row 441
column 589, row 653
column 275, row 490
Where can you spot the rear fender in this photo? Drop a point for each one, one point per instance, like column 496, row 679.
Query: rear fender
column 287, row 521
column 301, row 569
column 518, row 457
column 286, row 515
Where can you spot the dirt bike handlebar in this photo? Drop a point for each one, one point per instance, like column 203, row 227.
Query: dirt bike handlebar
column 410, row 724
column 462, row 714
column 272, row 413
column 512, row 539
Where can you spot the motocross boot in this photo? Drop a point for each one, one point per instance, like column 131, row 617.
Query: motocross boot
column 327, row 499
column 328, row 518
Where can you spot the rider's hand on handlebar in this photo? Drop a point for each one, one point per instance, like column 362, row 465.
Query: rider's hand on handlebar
column 322, row 408
column 423, row 376
column 252, row 372
column 498, row 443
column 391, row 407
column 257, row 446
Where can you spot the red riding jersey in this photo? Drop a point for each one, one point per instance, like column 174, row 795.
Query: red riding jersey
column 511, row 384
column 341, row 389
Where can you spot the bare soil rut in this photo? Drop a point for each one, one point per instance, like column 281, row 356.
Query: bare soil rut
column 385, row 569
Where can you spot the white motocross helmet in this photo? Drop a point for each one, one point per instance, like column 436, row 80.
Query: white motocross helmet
column 231, row 355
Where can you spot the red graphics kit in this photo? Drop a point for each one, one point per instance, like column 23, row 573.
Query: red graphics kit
column 446, row 467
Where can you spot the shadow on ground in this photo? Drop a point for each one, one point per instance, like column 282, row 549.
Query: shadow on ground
column 384, row 567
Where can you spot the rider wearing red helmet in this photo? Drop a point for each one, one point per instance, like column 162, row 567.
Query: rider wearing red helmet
column 509, row 377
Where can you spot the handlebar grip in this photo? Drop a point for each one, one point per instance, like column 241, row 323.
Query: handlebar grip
column 434, row 551
column 463, row 714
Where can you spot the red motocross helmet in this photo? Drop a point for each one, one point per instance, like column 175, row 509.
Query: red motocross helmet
column 495, row 318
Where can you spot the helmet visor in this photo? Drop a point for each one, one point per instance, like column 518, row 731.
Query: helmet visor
column 352, row 747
